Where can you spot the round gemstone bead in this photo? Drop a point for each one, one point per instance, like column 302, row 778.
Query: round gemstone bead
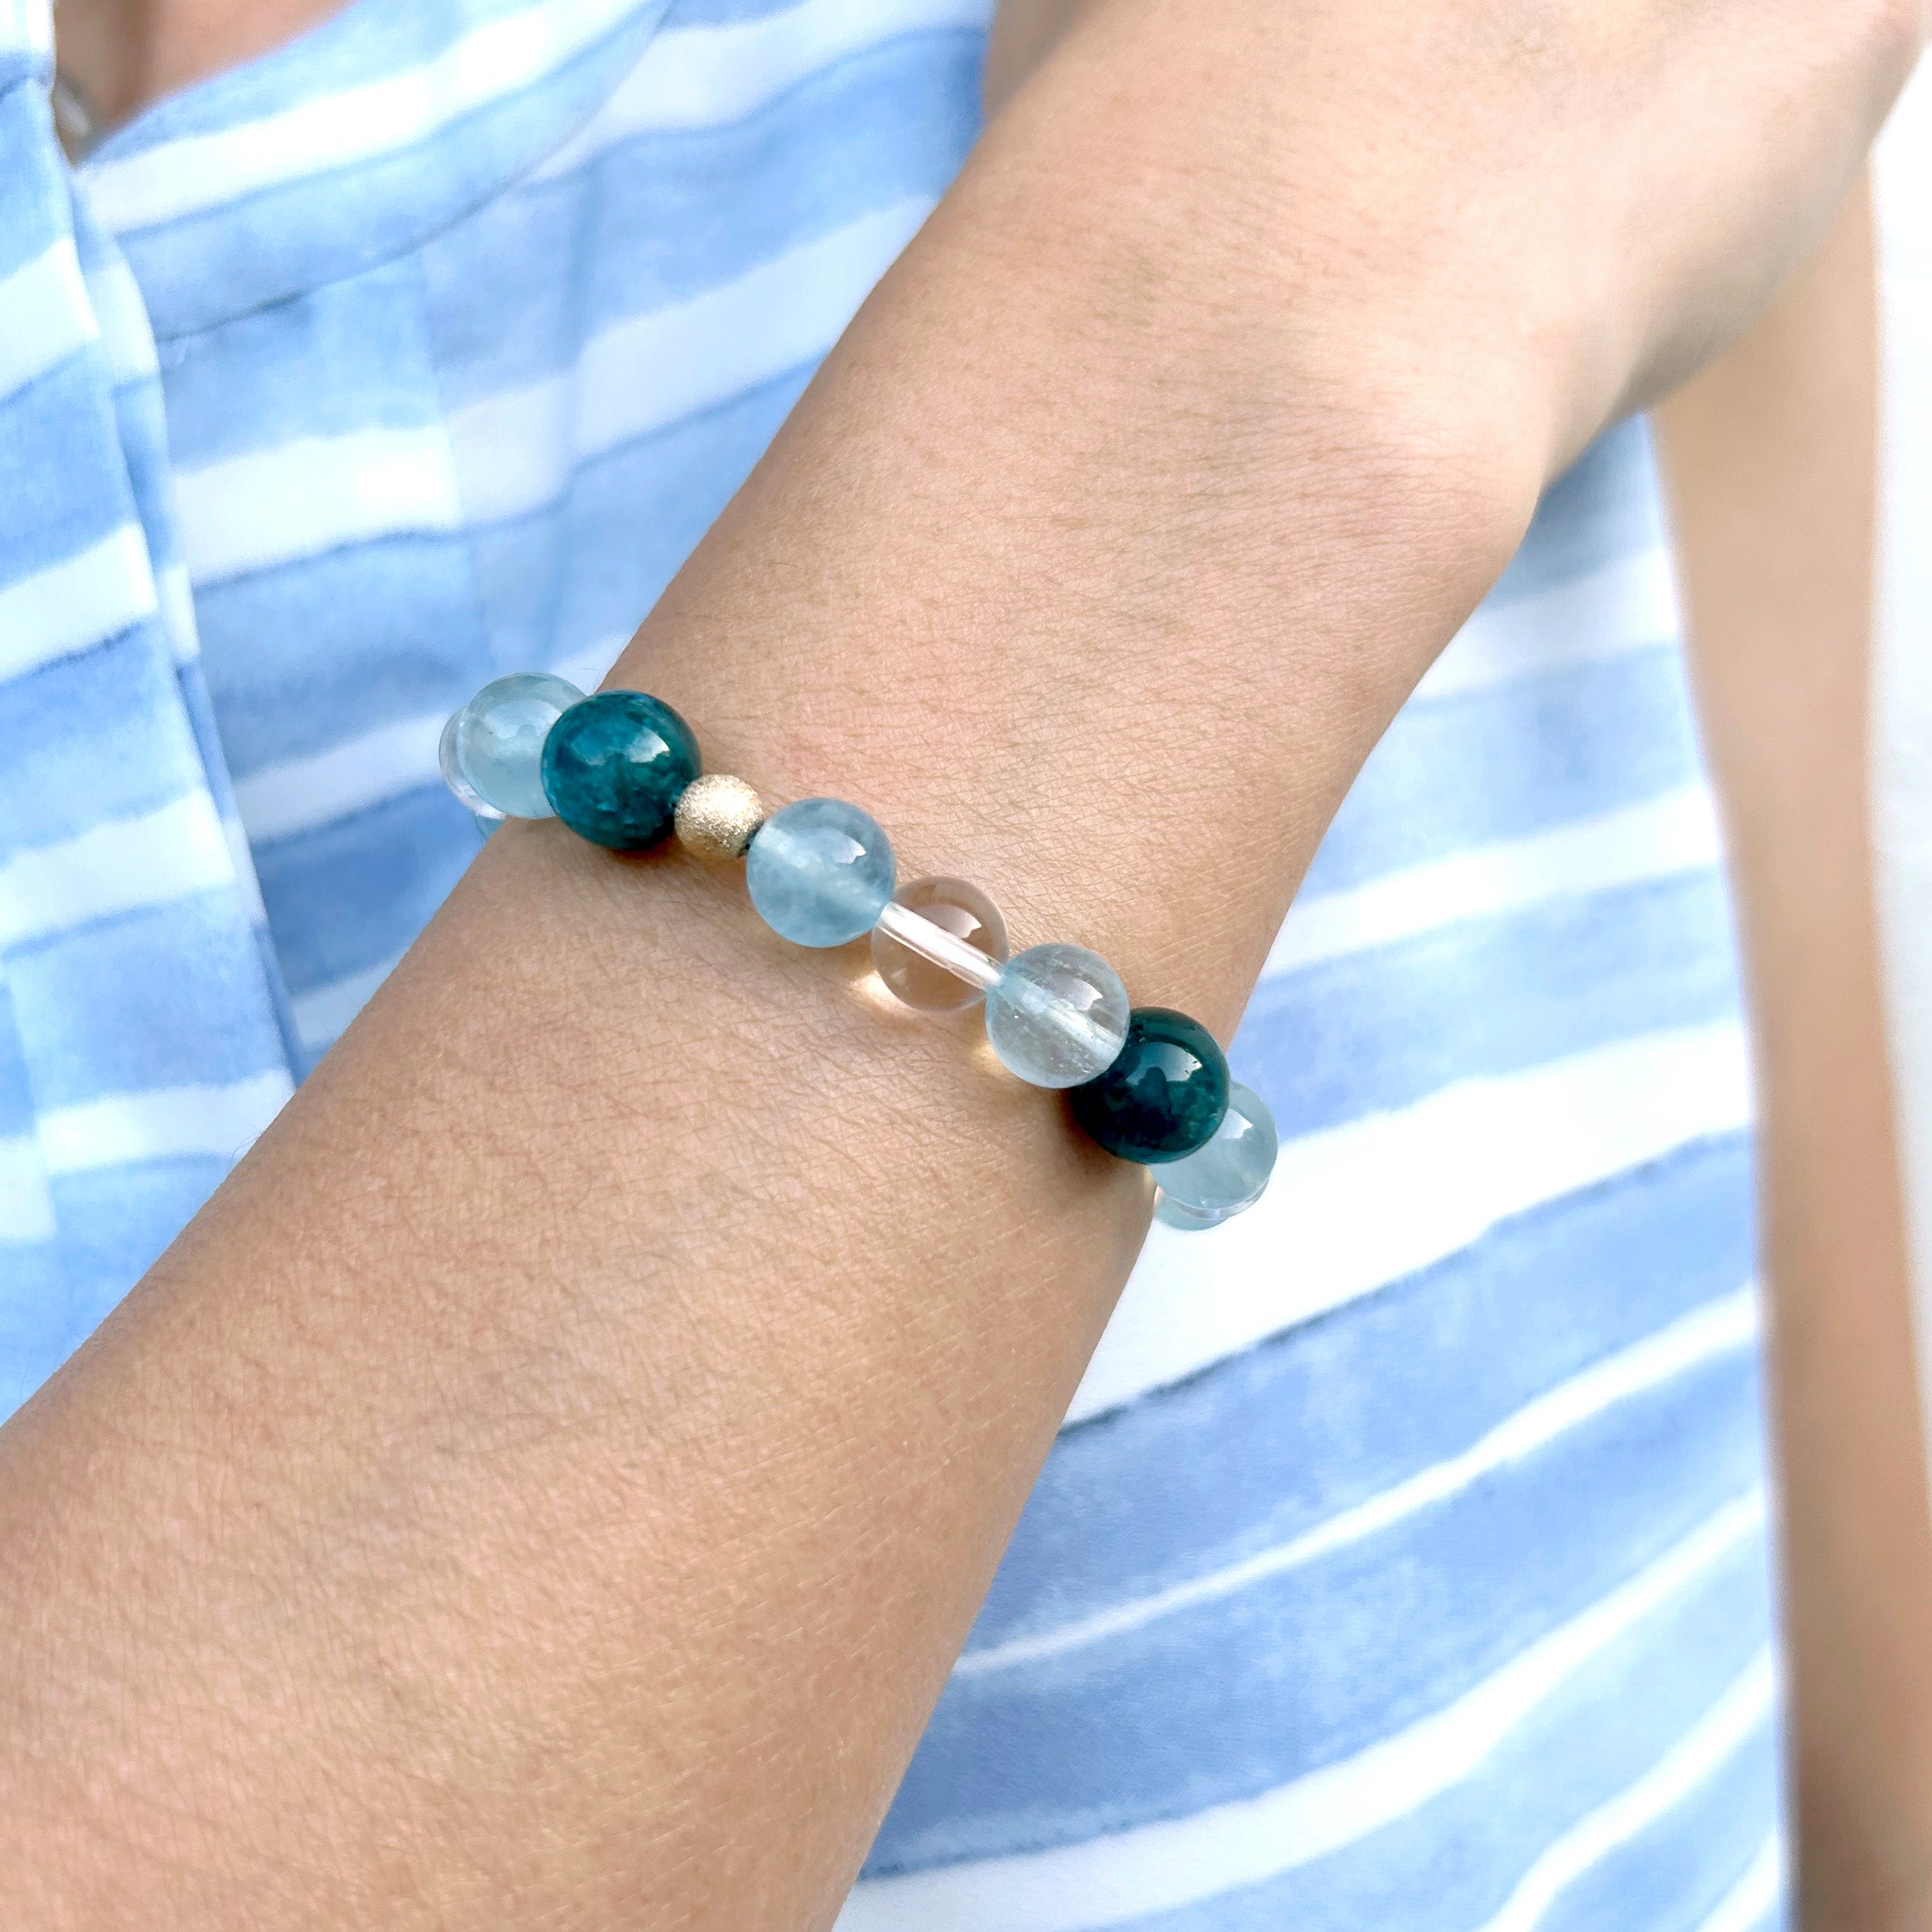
column 615, row 766
column 1164, row 1096
column 492, row 749
column 914, row 965
column 1057, row 1016
column 716, row 816
column 821, row 872
column 1231, row 1172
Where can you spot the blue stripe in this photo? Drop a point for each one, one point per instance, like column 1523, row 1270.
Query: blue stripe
column 1349, row 1037
column 300, row 660
column 586, row 569
column 1504, row 763
column 1675, row 1873
column 33, row 197
column 38, row 1331
column 16, row 1095
column 354, row 355
column 138, row 756
column 150, row 998
column 279, row 241
column 1200, row 1707
column 62, row 507
column 659, row 218
column 1264, row 1446
column 1452, row 1864
column 351, row 896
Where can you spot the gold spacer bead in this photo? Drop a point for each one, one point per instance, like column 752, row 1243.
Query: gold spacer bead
column 716, row 816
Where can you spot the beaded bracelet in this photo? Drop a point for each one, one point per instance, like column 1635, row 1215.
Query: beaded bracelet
column 623, row 769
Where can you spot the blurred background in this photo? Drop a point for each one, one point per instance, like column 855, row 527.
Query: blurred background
column 1904, row 725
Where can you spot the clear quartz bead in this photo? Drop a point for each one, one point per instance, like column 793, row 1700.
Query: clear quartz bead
column 821, row 872
column 1216, row 1182
column 939, row 944
column 1058, row 1015
column 492, row 749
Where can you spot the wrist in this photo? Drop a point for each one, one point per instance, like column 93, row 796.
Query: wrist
column 1076, row 484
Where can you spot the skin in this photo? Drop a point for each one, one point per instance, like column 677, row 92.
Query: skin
column 1771, row 458
column 549, row 1481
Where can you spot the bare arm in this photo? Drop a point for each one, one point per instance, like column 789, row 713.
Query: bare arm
column 550, row 1481
column 1771, row 455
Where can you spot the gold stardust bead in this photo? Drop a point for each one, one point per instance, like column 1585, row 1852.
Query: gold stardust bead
column 716, row 816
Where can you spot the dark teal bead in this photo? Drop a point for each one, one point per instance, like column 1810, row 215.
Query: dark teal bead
column 614, row 767
column 1165, row 1095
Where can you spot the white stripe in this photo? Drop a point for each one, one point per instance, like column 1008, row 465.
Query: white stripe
column 1622, row 607
column 303, row 497
column 515, row 451
column 1696, row 1757
column 28, row 25
column 1662, row 838
column 162, row 1124
column 44, row 316
column 1718, row 1328
column 1746, row 1905
column 1332, row 1225
column 122, row 315
column 114, row 868
column 507, row 56
column 710, row 76
column 322, row 1014
column 27, row 1208
column 76, row 604
column 1127, row 1875
column 387, row 763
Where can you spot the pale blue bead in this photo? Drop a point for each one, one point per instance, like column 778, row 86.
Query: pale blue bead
column 821, row 872
column 1216, row 1181
column 492, row 749
column 1057, row 1016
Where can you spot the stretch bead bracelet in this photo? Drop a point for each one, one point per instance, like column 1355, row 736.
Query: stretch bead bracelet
column 623, row 769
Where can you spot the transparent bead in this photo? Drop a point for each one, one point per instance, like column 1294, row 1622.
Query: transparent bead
column 1058, row 1015
column 821, row 872
column 1216, row 1181
column 939, row 944
column 492, row 749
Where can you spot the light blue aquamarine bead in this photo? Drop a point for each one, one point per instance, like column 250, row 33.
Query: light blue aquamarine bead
column 1216, row 1181
column 1057, row 1016
column 821, row 872
column 492, row 749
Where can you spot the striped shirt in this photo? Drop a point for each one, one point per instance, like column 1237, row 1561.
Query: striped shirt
column 1402, row 1561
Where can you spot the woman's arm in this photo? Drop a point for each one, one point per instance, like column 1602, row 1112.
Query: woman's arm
column 549, row 1481
column 1771, row 455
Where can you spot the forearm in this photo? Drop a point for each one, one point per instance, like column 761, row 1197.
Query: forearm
column 1772, row 457
column 550, row 1480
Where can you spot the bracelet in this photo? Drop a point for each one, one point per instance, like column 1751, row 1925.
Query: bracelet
column 623, row 769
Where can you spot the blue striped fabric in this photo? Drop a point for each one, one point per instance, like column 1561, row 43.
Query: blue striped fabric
column 1403, row 1562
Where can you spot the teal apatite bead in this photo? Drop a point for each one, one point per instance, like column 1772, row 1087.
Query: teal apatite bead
column 821, row 872
column 614, row 767
column 1165, row 1095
